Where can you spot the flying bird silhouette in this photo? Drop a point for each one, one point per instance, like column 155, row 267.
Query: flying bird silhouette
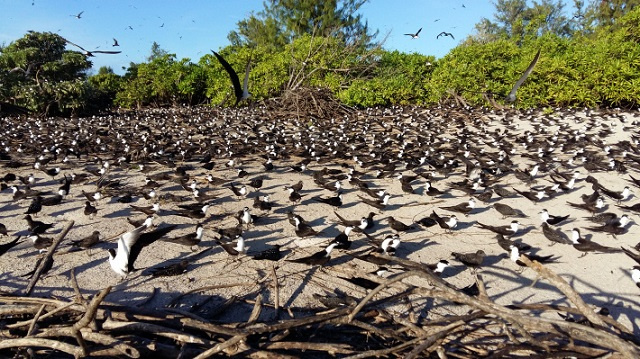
column 415, row 36
column 242, row 93
column 445, row 34
column 115, row 42
column 79, row 15
column 90, row 53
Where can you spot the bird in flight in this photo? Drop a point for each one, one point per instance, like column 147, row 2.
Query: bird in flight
column 90, row 53
column 242, row 93
column 115, row 42
column 79, row 15
column 511, row 97
column 414, row 36
column 445, row 34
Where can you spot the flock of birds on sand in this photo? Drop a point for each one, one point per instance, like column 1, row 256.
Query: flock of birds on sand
column 185, row 170
column 197, row 163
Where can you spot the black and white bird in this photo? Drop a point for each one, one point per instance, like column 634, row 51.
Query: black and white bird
column 318, row 258
column 439, row 267
column 122, row 260
column 241, row 93
column 190, row 239
column 89, row 210
column 245, row 217
column 389, row 244
column 506, row 230
column 515, row 257
column 448, row 223
column 443, row 33
column 303, row 229
column 551, row 219
column 343, row 238
column 415, row 36
column 37, row 227
column 464, row 207
column 335, row 201
column 238, row 191
column 231, row 249
column 584, row 245
column 148, row 210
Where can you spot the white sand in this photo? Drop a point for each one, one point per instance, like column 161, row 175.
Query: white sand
column 602, row 279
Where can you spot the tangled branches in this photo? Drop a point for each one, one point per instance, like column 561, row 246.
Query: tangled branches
column 361, row 328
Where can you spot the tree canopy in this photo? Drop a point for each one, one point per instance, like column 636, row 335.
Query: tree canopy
column 38, row 72
column 282, row 21
column 590, row 58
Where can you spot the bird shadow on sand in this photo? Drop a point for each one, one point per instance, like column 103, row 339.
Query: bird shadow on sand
column 480, row 210
column 64, row 211
column 114, row 200
column 252, row 234
column 124, row 212
column 461, row 226
column 12, row 206
column 407, row 248
column 191, row 256
column 296, row 292
column 524, row 231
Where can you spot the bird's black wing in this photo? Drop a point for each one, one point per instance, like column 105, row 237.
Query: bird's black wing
column 145, row 240
column 5, row 247
column 71, row 43
column 630, row 254
column 418, row 31
column 232, row 74
column 512, row 95
column 106, row 52
column 440, row 34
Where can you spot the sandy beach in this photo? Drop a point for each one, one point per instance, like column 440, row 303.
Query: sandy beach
column 550, row 140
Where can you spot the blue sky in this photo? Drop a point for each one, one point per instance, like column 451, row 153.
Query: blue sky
column 192, row 28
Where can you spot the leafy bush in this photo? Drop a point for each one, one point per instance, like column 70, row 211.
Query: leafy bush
column 163, row 81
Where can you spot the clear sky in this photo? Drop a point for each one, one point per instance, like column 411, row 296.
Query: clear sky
column 193, row 28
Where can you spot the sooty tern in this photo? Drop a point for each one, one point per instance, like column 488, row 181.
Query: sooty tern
column 241, row 93
column 415, row 36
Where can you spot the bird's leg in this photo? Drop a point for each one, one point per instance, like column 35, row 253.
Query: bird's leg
column 583, row 254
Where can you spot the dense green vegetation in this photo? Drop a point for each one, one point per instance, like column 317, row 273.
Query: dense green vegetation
column 590, row 59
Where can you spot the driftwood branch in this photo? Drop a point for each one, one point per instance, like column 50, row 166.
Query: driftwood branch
column 41, row 343
column 220, row 347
